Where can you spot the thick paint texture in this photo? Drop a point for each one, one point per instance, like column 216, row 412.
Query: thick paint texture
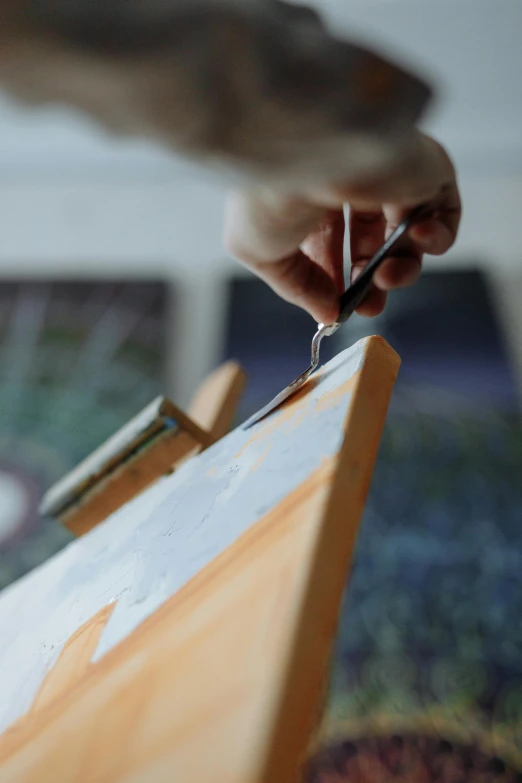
column 144, row 553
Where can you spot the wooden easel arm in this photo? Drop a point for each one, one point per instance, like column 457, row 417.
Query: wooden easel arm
column 214, row 404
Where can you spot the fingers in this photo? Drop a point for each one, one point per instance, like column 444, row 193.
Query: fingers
column 373, row 304
column 436, row 235
column 399, row 271
column 295, row 243
column 325, row 246
column 366, row 236
column 312, row 277
column 264, row 225
column 302, row 282
column 367, row 233
column 265, row 233
column 433, row 236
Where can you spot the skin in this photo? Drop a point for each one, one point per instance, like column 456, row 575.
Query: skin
column 295, row 241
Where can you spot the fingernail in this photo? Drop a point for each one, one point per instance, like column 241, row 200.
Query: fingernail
column 426, row 242
column 424, row 234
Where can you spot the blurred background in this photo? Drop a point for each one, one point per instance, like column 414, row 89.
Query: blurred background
column 114, row 288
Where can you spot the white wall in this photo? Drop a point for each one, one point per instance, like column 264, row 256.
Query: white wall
column 142, row 227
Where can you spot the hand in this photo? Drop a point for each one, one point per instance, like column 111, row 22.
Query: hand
column 295, row 242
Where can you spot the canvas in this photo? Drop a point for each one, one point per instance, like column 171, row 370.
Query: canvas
column 188, row 637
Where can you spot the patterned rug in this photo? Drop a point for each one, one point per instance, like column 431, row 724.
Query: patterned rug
column 412, row 758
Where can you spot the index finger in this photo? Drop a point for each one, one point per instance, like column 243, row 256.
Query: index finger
column 265, row 231
column 313, row 276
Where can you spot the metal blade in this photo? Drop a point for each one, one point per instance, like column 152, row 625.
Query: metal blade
column 322, row 331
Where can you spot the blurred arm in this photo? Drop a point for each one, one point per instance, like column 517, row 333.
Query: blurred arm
column 258, row 87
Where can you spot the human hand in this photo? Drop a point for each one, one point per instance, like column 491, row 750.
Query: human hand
column 295, row 241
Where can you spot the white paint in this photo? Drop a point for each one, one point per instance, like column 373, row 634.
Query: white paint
column 144, row 553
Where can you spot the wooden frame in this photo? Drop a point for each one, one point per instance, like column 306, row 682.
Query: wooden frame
column 210, row 662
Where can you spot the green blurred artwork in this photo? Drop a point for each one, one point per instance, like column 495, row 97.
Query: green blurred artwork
column 79, row 359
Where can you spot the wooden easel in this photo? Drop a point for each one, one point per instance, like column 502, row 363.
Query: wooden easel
column 187, row 637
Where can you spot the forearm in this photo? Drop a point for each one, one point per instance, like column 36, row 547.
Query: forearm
column 258, row 87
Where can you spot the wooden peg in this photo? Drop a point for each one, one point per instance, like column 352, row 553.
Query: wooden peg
column 214, row 404
column 157, row 441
